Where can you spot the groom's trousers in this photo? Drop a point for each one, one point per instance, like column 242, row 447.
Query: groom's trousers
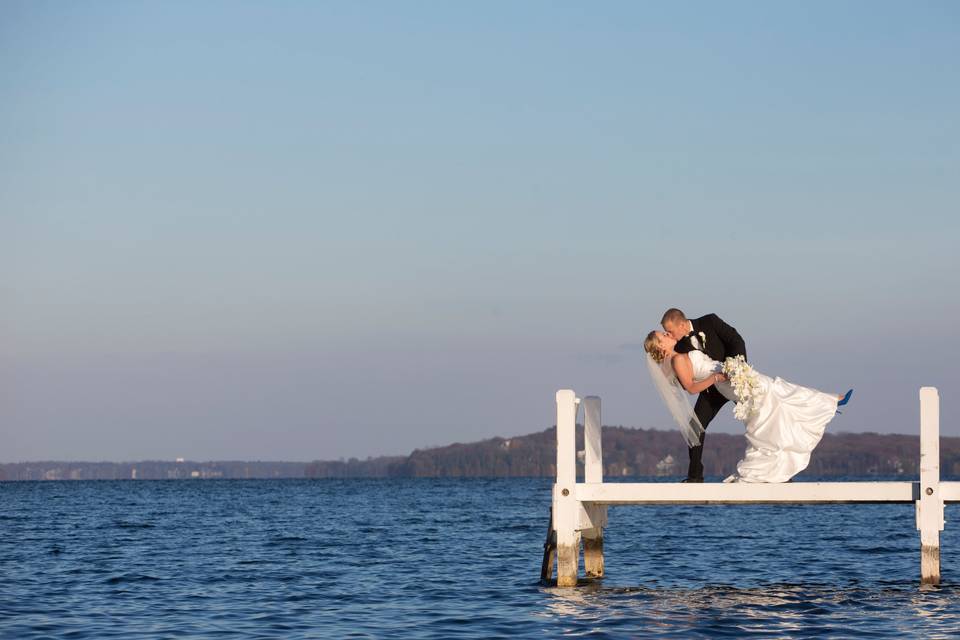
column 708, row 405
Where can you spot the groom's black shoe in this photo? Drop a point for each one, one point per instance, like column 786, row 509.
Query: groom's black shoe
column 692, row 480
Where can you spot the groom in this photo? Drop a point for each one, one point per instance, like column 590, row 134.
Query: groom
column 718, row 340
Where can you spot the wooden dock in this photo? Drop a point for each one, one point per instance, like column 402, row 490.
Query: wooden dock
column 579, row 512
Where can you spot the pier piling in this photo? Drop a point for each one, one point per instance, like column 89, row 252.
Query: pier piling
column 930, row 503
column 580, row 509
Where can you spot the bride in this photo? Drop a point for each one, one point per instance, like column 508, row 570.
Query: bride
column 784, row 427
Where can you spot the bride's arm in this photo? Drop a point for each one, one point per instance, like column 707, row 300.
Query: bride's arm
column 684, row 370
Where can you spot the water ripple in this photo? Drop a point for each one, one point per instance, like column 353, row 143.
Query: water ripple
column 445, row 559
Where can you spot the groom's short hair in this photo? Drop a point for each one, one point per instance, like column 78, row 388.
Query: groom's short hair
column 673, row 316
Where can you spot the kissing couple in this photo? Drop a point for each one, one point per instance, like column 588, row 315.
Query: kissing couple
column 706, row 356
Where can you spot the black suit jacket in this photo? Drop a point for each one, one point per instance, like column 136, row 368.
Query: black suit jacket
column 722, row 340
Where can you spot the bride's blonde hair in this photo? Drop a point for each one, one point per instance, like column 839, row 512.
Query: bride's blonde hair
column 652, row 346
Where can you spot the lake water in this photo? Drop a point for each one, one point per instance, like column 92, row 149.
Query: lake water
column 446, row 559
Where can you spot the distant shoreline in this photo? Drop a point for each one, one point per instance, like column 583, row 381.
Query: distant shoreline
column 627, row 452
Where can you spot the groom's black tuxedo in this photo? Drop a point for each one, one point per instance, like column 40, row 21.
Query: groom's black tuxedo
column 719, row 341
column 722, row 340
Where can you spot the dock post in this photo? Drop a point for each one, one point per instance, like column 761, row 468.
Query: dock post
column 549, row 552
column 566, row 508
column 593, row 473
column 930, row 502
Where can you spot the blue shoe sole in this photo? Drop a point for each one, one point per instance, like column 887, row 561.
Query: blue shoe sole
column 846, row 398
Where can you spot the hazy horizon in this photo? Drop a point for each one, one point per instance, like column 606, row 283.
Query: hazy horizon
column 299, row 231
column 177, row 460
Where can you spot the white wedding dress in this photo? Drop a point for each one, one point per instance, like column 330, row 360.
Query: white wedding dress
column 785, row 428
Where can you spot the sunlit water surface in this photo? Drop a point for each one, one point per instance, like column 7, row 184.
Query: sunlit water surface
column 446, row 559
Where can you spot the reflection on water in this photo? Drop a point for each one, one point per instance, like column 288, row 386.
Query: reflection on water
column 780, row 610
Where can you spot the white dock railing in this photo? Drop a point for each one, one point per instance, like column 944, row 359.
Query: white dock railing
column 580, row 508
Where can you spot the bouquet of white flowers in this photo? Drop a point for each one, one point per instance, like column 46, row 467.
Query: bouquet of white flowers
column 746, row 383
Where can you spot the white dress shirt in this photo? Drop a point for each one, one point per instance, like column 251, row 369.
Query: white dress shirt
column 694, row 339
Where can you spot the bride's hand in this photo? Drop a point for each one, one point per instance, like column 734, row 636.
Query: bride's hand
column 719, row 377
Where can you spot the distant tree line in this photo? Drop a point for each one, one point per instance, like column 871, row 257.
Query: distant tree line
column 150, row 470
column 626, row 452
column 353, row 468
column 645, row 452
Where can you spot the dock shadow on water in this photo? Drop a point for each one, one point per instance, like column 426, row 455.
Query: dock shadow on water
column 446, row 559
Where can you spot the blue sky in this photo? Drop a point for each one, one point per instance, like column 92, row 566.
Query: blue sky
column 313, row 230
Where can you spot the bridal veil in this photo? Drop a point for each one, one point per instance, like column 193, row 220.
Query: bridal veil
column 675, row 398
